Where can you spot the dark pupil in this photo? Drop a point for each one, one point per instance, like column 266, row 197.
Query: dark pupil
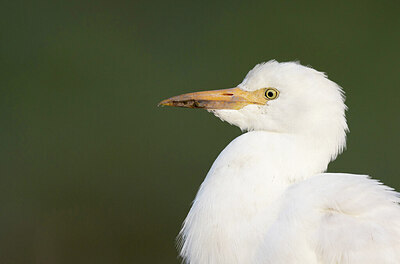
column 270, row 94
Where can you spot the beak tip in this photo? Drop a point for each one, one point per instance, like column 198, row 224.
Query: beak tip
column 164, row 103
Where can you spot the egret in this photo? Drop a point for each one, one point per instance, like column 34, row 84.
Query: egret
column 267, row 197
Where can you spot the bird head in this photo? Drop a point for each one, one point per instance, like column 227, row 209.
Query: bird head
column 278, row 97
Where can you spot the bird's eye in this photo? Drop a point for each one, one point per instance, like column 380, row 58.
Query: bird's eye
column 271, row 93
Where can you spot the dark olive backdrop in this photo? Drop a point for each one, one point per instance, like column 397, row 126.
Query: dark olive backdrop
column 92, row 171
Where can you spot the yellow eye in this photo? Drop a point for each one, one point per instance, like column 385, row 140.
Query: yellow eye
column 271, row 93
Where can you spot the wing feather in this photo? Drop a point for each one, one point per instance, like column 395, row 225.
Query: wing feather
column 335, row 218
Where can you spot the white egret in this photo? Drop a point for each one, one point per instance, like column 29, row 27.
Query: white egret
column 266, row 199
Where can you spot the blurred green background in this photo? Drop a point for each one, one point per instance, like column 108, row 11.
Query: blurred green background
column 92, row 171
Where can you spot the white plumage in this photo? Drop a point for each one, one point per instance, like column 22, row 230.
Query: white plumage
column 266, row 199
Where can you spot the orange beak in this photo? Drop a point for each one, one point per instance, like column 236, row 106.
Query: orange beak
column 233, row 98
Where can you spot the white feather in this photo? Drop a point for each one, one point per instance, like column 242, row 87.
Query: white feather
column 266, row 198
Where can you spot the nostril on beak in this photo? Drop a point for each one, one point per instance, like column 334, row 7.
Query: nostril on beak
column 228, row 94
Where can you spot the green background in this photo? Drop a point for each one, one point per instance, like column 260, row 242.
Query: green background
column 92, row 171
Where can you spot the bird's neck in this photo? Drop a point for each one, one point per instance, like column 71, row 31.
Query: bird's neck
column 237, row 200
column 273, row 157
